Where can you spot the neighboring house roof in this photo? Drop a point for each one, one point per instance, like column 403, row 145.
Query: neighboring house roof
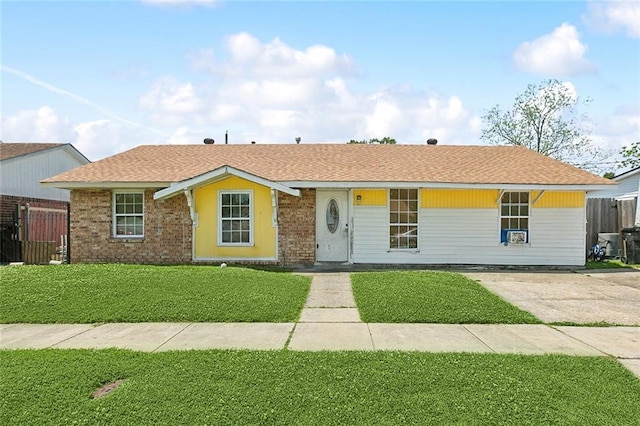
column 627, row 174
column 628, row 182
column 13, row 150
column 23, row 165
column 307, row 165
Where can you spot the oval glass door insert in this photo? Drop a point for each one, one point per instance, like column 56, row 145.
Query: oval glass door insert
column 333, row 215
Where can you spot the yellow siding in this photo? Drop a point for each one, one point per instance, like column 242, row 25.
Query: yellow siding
column 558, row 199
column 370, row 197
column 459, row 198
column 206, row 233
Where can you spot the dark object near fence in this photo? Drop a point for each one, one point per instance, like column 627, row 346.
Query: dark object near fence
column 631, row 245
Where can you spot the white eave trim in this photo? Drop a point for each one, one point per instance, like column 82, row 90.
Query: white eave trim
column 104, row 185
column 444, row 185
column 219, row 174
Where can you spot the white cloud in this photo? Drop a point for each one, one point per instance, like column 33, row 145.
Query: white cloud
column 384, row 120
column 558, row 54
column 95, row 139
column 271, row 92
column 618, row 129
column 274, row 59
column 446, row 120
column 186, row 136
column 101, row 138
column 80, row 99
column 614, row 15
column 169, row 101
column 279, row 94
column 41, row 125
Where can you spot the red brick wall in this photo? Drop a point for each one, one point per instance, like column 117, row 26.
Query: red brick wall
column 167, row 231
column 8, row 203
column 297, row 228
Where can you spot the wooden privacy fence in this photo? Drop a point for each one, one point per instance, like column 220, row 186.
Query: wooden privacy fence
column 38, row 252
column 34, row 235
column 606, row 215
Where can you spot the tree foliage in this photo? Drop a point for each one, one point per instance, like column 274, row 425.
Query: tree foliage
column 384, row 141
column 545, row 118
column 630, row 155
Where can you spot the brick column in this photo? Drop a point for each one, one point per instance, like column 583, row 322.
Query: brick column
column 297, row 228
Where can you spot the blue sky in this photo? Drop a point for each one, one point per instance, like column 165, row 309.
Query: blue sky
column 107, row 76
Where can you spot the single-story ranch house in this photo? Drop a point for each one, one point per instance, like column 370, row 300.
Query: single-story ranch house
column 303, row 204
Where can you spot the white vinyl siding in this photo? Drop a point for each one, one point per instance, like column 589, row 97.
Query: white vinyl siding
column 21, row 176
column 468, row 236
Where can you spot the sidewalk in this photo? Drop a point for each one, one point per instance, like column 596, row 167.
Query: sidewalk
column 330, row 321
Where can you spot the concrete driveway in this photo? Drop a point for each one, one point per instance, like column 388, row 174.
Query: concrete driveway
column 581, row 297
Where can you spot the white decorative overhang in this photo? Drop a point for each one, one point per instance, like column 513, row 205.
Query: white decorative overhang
column 220, row 174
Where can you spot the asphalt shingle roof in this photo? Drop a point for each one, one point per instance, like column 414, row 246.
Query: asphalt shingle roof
column 12, row 150
column 335, row 163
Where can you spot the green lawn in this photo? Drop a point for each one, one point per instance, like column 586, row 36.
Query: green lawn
column 430, row 297
column 610, row 264
column 323, row 388
column 141, row 293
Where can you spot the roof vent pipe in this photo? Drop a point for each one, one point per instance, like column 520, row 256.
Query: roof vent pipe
column 209, row 141
column 432, row 141
column 226, row 137
column 298, row 139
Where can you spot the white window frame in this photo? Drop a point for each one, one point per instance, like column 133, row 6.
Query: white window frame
column 416, row 224
column 220, row 218
column 116, row 215
column 518, row 216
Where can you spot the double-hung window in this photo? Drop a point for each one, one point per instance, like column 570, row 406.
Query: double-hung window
column 235, row 211
column 403, row 219
column 128, row 214
column 514, row 217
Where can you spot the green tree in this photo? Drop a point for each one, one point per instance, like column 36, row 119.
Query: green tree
column 630, row 155
column 545, row 118
column 609, row 175
column 384, row 141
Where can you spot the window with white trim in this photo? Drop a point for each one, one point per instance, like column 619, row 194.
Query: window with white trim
column 128, row 214
column 403, row 219
column 514, row 216
column 235, row 213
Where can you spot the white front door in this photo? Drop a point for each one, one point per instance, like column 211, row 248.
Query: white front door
column 332, row 226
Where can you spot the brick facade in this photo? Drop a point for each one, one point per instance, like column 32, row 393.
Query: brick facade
column 167, row 231
column 297, row 228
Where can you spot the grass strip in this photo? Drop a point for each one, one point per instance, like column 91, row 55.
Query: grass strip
column 431, row 297
column 610, row 264
column 313, row 388
column 143, row 293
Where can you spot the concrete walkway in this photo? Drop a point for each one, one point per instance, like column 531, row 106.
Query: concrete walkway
column 330, row 321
